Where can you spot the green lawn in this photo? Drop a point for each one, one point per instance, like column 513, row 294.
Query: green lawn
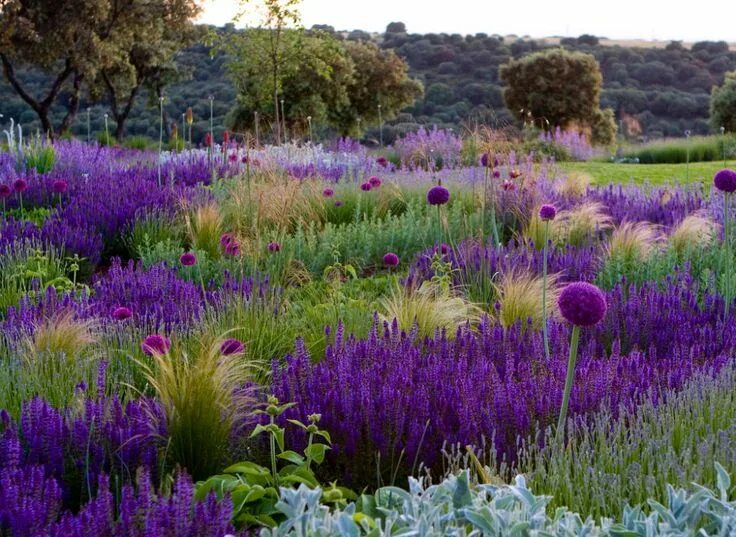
column 655, row 174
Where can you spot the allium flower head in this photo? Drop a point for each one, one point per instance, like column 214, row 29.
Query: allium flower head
column 484, row 160
column 274, row 246
column 233, row 157
column 156, row 344
column 365, row 187
column 60, row 186
column 438, row 195
column 582, row 304
column 496, row 174
column 381, row 161
column 232, row 346
column 508, row 185
column 338, row 203
column 121, row 313
column 20, row 185
column 328, row 192
column 547, row 212
column 374, row 181
column 188, row 259
column 232, row 248
column 390, row 259
column 5, row 191
column 225, row 239
column 725, row 180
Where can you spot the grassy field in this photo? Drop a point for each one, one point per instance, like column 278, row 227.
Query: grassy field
column 655, row 174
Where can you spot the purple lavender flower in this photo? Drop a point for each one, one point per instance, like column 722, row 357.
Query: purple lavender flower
column 156, row 344
column 582, row 304
column 547, row 212
column 438, row 195
column 121, row 313
column 390, row 259
column 725, row 180
column 232, row 346
column 188, row 259
column 365, row 187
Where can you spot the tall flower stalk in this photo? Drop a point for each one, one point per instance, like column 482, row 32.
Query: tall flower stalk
column 547, row 213
column 160, row 135
column 438, row 195
column 725, row 181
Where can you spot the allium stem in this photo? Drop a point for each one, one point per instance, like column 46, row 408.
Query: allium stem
column 727, row 295
column 574, row 339
column 544, row 290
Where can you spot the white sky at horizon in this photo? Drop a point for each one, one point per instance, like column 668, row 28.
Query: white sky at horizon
column 627, row 19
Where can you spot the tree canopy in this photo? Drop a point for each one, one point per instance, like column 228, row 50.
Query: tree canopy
column 723, row 104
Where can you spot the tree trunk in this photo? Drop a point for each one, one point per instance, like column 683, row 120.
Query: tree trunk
column 41, row 107
column 73, row 105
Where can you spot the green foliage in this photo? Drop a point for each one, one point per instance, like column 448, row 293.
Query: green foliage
column 151, row 229
column 723, row 104
column 255, row 489
column 680, row 150
column 40, row 156
column 557, row 88
column 142, row 143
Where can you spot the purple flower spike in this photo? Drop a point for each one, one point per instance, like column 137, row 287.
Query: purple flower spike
column 390, row 259
column 582, row 304
column 438, row 195
column 188, row 259
column 156, row 344
column 725, row 180
column 121, row 313
column 232, row 346
column 547, row 212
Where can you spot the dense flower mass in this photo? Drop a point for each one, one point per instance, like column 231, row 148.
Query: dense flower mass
column 438, row 195
column 390, row 259
column 188, row 259
column 725, row 180
column 547, row 212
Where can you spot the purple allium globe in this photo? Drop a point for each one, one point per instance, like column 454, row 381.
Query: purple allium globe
column 484, row 160
column 443, row 248
column 188, row 259
column 232, row 346
column 338, row 203
column 381, row 161
column 274, row 246
column 390, row 259
column 225, row 239
column 20, row 185
column 725, row 180
column 156, row 344
column 328, row 192
column 233, row 248
column 547, row 212
column 5, row 191
column 121, row 313
column 60, row 186
column 365, row 187
column 438, row 195
column 375, row 182
column 582, row 304
column 496, row 174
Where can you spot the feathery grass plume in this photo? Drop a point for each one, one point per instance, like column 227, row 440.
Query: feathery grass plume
column 534, row 230
column 633, row 242
column 390, row 199
column 580, row 225
column 62, row 334
column 695, row 231
column 204, row 397
column 574, row 184
column 205, row 227
column 519, row 295
column 429, row 309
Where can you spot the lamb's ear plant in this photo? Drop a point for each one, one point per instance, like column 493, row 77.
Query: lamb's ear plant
column 255, row 490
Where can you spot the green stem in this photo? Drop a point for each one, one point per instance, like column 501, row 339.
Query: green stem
column 439, row 228
column 273, row 457
column 204, row 290
column 574, row 339
column 544, row 291
column 727, row 257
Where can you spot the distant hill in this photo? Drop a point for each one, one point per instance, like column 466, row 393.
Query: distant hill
column 659, row 88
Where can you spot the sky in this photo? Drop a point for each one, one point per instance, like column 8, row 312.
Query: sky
column 623, row 19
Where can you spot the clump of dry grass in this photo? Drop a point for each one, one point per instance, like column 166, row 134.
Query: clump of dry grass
column 693, row 232
column 203, row 396
column 579, row 225
column 205, row 226
column 62, row 334
column 634, row 241
column 520, row 298
column 574, row 184
column 429, row 309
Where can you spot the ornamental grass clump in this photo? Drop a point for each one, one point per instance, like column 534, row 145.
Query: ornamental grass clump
column 205, row 226
column 580, row 225
column 63, row 334
column 574, row 184
column 427, row 310
column 633, row 242
column 203, row 396
column 694, row 232
column 583, row 305
column 525, row 298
